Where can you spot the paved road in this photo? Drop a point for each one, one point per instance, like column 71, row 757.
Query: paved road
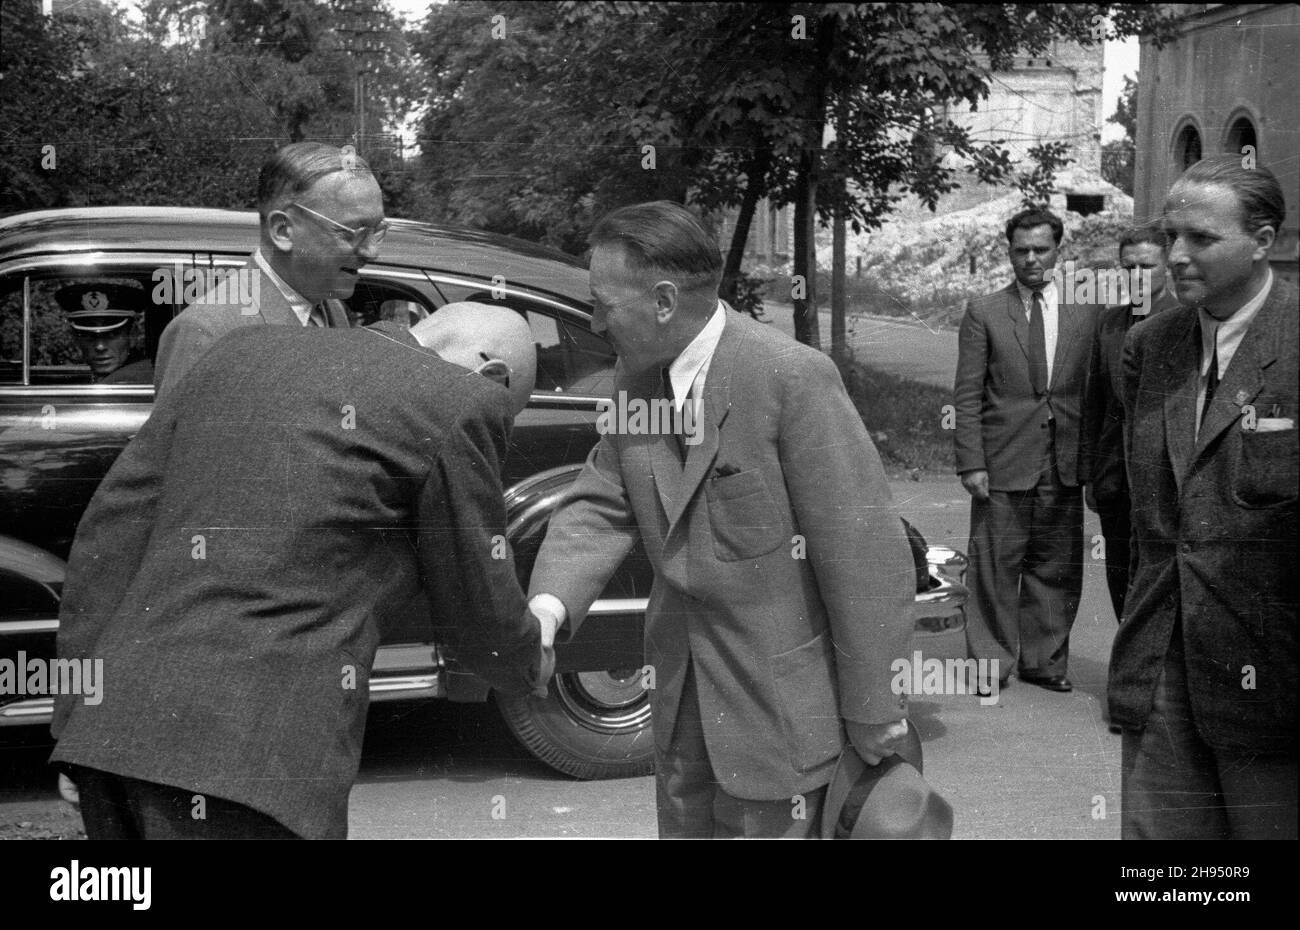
column 907, row 348
column 1033, row 765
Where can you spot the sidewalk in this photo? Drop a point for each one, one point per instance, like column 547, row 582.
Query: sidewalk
column 1037, row 764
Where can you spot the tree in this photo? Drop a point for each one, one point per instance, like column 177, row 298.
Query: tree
column 1119, row 158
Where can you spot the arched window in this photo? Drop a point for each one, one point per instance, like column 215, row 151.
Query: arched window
column 1187, row 150
column 1241, row 134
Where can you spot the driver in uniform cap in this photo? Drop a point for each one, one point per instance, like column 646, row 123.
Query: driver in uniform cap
column 102, row 317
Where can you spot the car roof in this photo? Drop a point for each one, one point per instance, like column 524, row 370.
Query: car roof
column 184, row 230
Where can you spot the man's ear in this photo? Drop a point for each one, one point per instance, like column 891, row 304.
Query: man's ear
column 496, row 370
column 665, row 300
column 279, row 228
column 1263, row 237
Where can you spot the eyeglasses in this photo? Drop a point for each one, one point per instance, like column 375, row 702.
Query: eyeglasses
column 356, row 237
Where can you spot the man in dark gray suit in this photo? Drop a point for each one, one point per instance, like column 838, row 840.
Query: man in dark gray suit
column 1205, row 668
column 232, row 568
column 322, row 220
column 1141, row 250
column 1022, row 364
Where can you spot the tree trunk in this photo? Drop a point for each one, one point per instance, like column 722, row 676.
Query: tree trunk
column 804, row 289
column 739, row 236
column 839, row 344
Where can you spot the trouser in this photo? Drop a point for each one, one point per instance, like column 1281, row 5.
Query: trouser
column 1117, row 528
column 691, row 805
column 1176, row 787
column 1026, row 575
column 115, row 807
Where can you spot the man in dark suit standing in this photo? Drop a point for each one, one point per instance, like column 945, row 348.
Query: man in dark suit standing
column 322, row 220
column 1022, row 366
column 232, row 568
column 1142, row 256
column 782, row 573
column 1203, row 672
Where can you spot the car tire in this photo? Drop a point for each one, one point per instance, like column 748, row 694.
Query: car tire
column 592, row 725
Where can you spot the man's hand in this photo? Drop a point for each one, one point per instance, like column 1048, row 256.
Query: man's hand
column 875, row 741
column 976, row 483
column 540, row 672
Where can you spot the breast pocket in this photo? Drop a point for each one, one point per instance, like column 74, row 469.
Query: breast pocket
column 742, row 516
column 1265, row 472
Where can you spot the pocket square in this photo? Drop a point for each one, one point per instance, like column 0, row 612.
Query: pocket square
column 725, row 469
column 1273, row 424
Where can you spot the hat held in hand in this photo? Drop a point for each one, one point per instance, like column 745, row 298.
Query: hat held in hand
column 889, row 801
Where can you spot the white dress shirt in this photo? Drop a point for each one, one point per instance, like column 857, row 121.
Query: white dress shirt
column 301, row 305
column 1226, row 335
column 687, row 373
column 1050, row 318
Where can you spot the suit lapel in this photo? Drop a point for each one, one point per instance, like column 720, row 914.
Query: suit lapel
column 1019, row 323
column 273, row 307
column 717, row 404
column 1066, row 328
column 1179, row 384
column 1244, row 378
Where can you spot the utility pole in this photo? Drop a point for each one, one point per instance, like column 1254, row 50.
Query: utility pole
column 362, row 25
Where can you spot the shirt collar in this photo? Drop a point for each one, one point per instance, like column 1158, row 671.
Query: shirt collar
column 301, row 305
column 1228, row 333
column 1048, row 291
column 687, row 366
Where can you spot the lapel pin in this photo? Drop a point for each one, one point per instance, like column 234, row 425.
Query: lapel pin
column 1241, row 398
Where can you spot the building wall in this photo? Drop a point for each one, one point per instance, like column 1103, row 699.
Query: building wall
column 1229, row 61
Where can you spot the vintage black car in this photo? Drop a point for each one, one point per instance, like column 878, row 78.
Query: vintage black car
column 60, row 432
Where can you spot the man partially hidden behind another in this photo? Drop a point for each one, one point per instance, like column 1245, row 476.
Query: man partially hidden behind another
column 322, row 220
column 1141, row 250
column 782, row 573
column 1022, row 365
column 233, row 566
column 1203, row 672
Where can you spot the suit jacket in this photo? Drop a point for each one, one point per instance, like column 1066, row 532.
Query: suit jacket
column 1102, row 448
column 781, row 570
column 233, row 564
column 193, row 331
column 1001, row 423
column 1214, row 524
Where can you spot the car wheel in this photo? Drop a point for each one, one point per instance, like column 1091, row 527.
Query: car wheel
column 591, row 725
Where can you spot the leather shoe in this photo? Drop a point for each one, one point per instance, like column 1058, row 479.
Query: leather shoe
column 1050, row 682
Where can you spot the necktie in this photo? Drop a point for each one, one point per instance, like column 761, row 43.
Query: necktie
column 677, row 436
column 318, row 316
column 1212, row 377
column 1037, row 346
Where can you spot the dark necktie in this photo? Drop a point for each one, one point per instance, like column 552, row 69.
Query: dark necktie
column 674, row 420
column 318, row 316
column 1037, row 346
column 1212, row 377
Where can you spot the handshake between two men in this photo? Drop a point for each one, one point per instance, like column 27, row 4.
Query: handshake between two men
column 314, row 527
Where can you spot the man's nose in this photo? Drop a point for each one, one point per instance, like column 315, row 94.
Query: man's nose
column 1177, row 254
column 368, row 251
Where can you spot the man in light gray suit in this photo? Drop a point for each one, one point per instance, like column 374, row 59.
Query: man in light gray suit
column 322, row 220
column 782, row 573
column 1022, row 367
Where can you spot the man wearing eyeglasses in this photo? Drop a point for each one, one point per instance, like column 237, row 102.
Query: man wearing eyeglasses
column 322, row 220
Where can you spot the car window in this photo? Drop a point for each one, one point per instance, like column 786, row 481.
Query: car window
column 376, row 299
column 571, row 359
column 84, row 328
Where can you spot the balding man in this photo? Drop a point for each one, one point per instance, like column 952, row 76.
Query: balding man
column 322, row 220
column 288, row 492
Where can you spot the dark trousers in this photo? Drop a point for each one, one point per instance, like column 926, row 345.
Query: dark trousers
column 692, row 806
column 1117, row 528
column 1026, row 575
column 114, row 807
column 1176, row 787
